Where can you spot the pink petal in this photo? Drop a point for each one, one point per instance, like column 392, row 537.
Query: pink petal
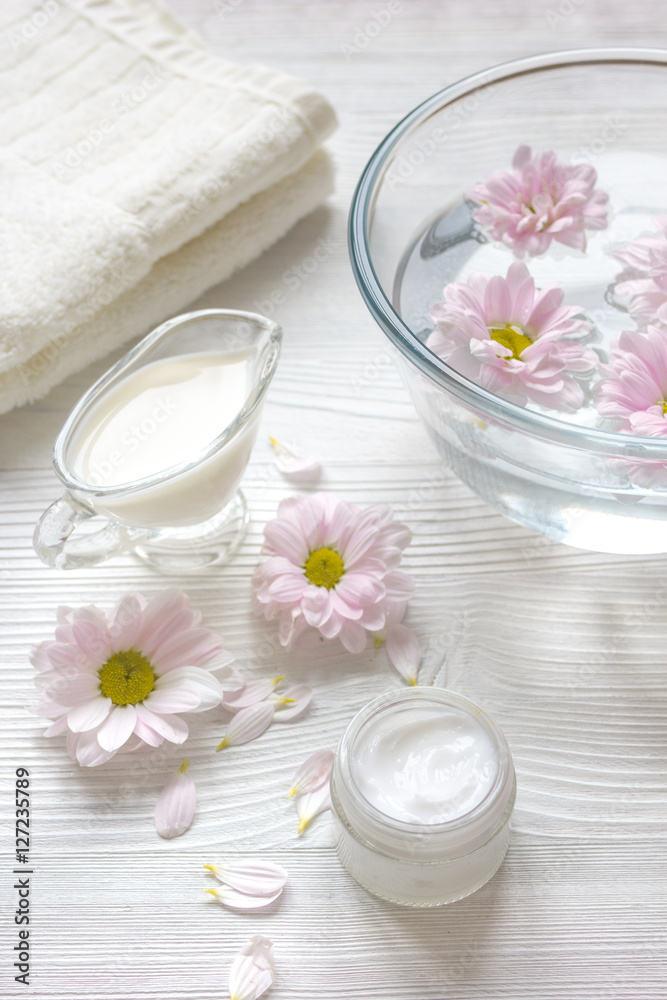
column 300, row 697
column 127, row 621
column 189, row 648
column 248, row 724
column 93, row 641
column 242, row 900
column 253, row 877
column 82, row 688
column 170, row 727
column 86, row 750
column 165, row 615
column 193, row 680
column 311, row 804
column 285, row 539
column 312, row 773
column 250, row 694
column 353, row 637
column 176, row 804
column 294, row 464
column 89, row 715
column 117, row 727
column 252, row 971
column 404, row 651
column 146, row 734
column 170, row 701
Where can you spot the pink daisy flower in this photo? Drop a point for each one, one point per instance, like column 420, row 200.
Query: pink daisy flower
column 634, row 392
column 634, row 389
column 539, row 200
column 510, row 338
column 647, row 292
column 333, row 567
column 118, row 683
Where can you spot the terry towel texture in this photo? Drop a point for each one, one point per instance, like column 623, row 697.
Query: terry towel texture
column 137, row 169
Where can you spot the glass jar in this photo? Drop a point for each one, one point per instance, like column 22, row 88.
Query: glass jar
column 422, row 791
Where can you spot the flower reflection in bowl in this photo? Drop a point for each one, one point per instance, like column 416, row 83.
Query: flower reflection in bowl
column 422, row 234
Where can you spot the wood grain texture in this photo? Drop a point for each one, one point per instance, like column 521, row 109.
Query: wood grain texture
column 566, row 649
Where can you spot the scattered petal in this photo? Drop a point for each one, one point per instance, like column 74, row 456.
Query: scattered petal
column 175, row 808
column 311, row 804
column 236, row 900
column 248, row 724
column 292, row 703
column 404, row 651
column 255, row 878
column 252, row 971
column 293, row 463
column 250, row 693
column 312, row 773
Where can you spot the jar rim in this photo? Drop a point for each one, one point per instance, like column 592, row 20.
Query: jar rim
column 466, row 831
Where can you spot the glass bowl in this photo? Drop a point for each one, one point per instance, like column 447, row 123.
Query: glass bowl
column 563, row 476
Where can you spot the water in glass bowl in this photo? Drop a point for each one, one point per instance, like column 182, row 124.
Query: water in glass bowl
column 588, row 500
column 449, row 247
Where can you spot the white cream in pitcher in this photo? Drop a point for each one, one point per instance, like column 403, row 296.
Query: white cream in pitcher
column 158, row 418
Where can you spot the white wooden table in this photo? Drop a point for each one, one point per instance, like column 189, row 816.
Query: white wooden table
column 566, row 649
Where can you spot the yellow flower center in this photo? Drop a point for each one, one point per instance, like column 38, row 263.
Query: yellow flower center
column 511, row 337
column 324, row 568
column 127, row 677
column 664, row 406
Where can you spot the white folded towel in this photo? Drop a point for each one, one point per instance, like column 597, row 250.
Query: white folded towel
column 137, row 170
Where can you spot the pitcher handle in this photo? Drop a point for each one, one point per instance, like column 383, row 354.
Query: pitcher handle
column 52, row 543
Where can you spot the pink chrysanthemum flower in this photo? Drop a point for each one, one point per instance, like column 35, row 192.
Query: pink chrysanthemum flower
column 647, row 293
column 539, row 200
column 634, row 392
column 634, row 387
column 118, row 683
column 510, row 338
column 333, row 567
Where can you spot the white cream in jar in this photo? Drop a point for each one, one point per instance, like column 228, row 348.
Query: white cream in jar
column 422, row 788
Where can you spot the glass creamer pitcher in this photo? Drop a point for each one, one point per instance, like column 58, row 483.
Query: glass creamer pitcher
column 159, row 445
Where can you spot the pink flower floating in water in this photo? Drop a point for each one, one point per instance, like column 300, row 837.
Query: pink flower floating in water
column 634, row 389
column 118, row 683
column 634, row 392
column 333, row 567
column 510, row 338
column 647, row 293
column 539, row 200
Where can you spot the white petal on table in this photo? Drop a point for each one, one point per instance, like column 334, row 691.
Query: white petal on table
column 236, row 900
column 248, row 724
column 294, row 463
column 254, row 877
column 252, row 971
column 300, row 696
column 404, row 651
column 311, row 804
column 312, row 773
column 175, row 807
column 251, row 693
